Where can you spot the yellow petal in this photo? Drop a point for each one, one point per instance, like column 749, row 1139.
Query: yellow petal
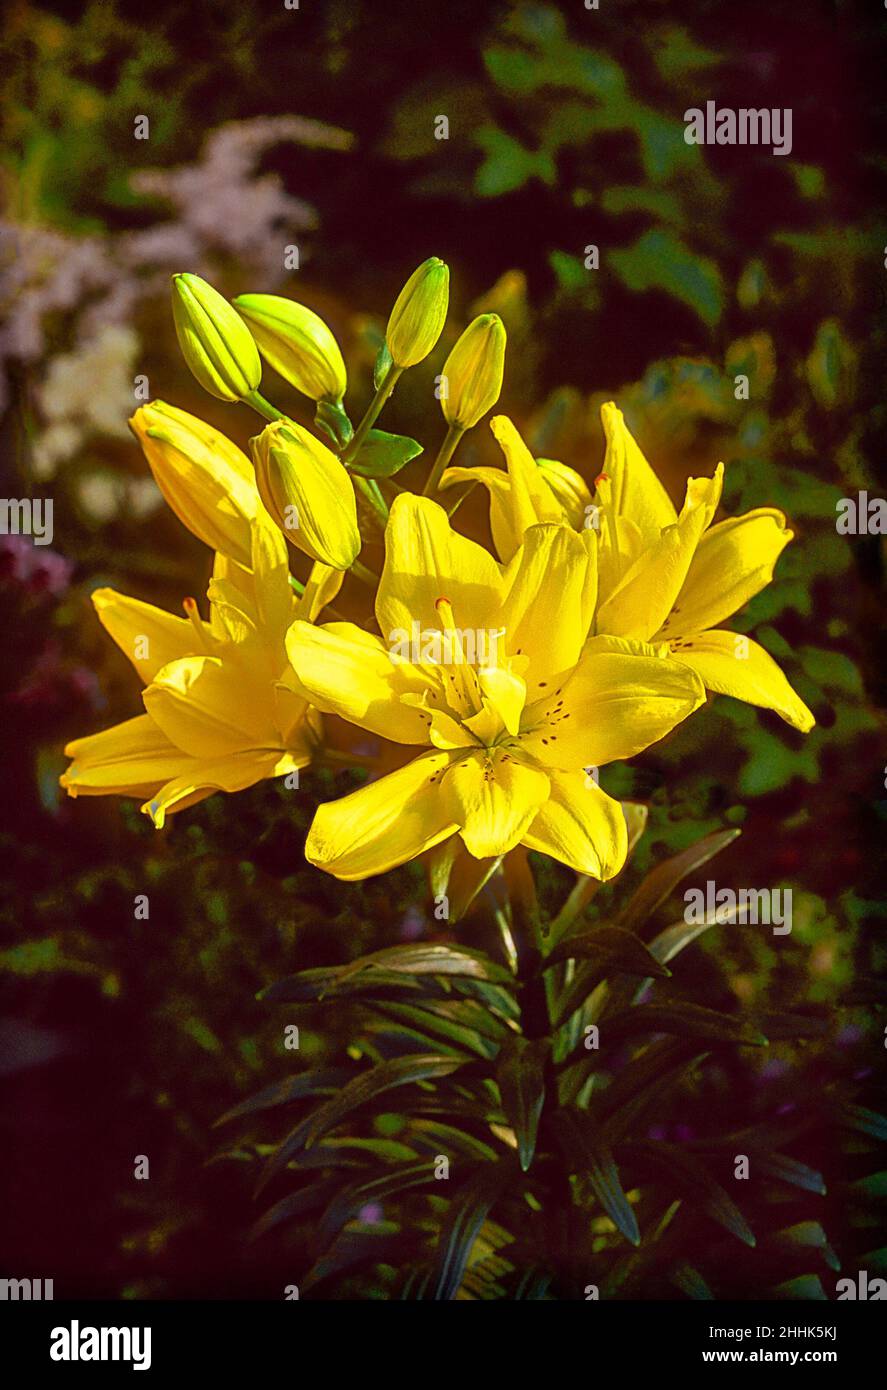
column 620, row 544
column 130, row 759
column 546, row 611
column 580, row 826
column 323, row 586
column 206, row 479
column 148, row 636
column 205, row 776
column 384, row 823
column 506, row 692
column 733, row 562
column 731, row 664
column 210, row 709
column 531, row 499
column 425, row 560
column 506, row 537
column 275, row 600
column 570, row 490
column 493, row 798
column 622, row 697
column 343, row 670
column 641, row 603
column 232, row 586
column 637, row 492
column 443, row 730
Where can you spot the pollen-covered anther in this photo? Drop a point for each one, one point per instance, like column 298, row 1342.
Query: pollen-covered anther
column 193, row 613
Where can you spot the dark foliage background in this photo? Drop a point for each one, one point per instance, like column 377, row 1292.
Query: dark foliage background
column 125, row 1037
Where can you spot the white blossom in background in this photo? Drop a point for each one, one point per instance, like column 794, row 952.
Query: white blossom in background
column 83, row 292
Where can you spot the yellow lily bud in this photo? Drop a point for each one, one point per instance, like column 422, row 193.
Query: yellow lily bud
column 297, row 344
column 205, row 478
column 473, row 372
column 308, row 493
column 419, row 313
column 215, row 342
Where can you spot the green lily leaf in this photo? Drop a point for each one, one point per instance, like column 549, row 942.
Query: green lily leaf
column 520, row 1072
column 429, row 958
column 330, row 417
column 382, row 455
column 692, row 1179
column 309, row 1083
column 662, row 880
column 462, row 1224
column 398, row 1071
column 683, row 1020
column 589, row 1156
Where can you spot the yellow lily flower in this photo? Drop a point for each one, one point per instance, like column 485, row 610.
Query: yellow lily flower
column 221, row 713
column 207, row 480
column 663, row 577
column 485, row 667
column 669, row 578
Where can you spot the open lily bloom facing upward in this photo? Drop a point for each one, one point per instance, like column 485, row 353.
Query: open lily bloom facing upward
column 220, row 714
column 663, row 577
column 486, row 668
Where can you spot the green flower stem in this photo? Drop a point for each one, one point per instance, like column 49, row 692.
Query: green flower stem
column 469, row 488
column 507, row 939
column 374, row 410
column 369, row 488
column 364, row 574
column 447, row 449
column 578, row 900
column 263, row 407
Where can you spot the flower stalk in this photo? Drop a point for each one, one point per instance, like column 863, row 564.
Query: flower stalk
column 447, row 449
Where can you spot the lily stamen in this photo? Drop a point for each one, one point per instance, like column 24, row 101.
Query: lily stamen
column 463, row 676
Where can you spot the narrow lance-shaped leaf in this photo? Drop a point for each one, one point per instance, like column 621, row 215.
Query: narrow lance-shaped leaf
column 662, row 880
column 683, row 1020
column 520, row 1071
column 589, row 1156
column 460, row 1228
column 429, row 958
column 688, row 1174
column 399, row 1071
column 308, row 1083
column 609, row 949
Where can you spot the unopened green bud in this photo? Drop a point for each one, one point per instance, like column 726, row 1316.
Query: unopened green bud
column 472, row 374
column 297, row 344
column 215, row 342
column 419, row 313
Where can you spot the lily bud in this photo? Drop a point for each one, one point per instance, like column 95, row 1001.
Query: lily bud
column 297, row 344
column 215, row 342
column 473, row 372
column 308, row 493
column 419, row 313
column 207, row 480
